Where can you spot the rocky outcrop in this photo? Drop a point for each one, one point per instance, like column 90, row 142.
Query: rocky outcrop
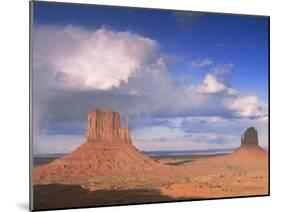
column 249, row 150
column 108, row 152
column 250, row 137
column 105, row 127
column 249, row 153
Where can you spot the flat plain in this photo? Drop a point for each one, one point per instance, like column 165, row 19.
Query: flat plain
column 197, row 177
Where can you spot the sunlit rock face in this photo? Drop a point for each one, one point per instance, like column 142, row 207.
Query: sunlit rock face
column 108, row 151
column 104, row 127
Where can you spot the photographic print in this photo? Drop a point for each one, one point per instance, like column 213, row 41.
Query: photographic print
column 137, row 105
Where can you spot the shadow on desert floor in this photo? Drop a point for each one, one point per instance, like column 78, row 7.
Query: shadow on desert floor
column 73, row 196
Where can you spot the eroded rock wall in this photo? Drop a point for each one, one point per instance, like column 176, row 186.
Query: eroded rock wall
column 105, row 127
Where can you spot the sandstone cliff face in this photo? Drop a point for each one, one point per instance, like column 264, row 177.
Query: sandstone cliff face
column 250, row 137
column 105, row 127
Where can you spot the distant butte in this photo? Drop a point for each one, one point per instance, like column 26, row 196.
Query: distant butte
column 250, row 137
column 249, row 149
column 248, row 153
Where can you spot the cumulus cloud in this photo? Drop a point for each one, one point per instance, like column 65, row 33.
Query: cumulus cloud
column 201, row 62
column 217, row 81
column 246, row 106
column 121, row 71
column 98, row 59
column 76, row 69
column 211, row 85
column 231, row 91
column 237, row 104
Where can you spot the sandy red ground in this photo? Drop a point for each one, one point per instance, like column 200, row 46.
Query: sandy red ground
column 243, row 173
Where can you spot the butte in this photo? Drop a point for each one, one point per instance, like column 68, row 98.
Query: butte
column 108, row 151
column 249, row 153
column 249, row 150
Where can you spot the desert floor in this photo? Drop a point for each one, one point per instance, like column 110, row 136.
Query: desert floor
column 201, row 177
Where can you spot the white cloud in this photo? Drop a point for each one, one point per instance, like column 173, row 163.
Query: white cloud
column 98, row 59
column 201, row 62
column 246, row 106
column 76, row 69
column 127, row 67
column 211, row 85
column 231, row 91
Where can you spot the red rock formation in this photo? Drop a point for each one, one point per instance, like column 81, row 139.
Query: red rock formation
column 249, row 150
column 107, row 152
column 104, row 127
column 250, row 137
column 248, row 153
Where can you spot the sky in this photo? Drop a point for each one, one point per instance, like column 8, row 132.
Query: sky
column 187, row 80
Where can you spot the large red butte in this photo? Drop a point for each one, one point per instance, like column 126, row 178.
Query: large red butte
column 108, row 151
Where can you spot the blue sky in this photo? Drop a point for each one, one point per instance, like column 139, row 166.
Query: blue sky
column 211, row 58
